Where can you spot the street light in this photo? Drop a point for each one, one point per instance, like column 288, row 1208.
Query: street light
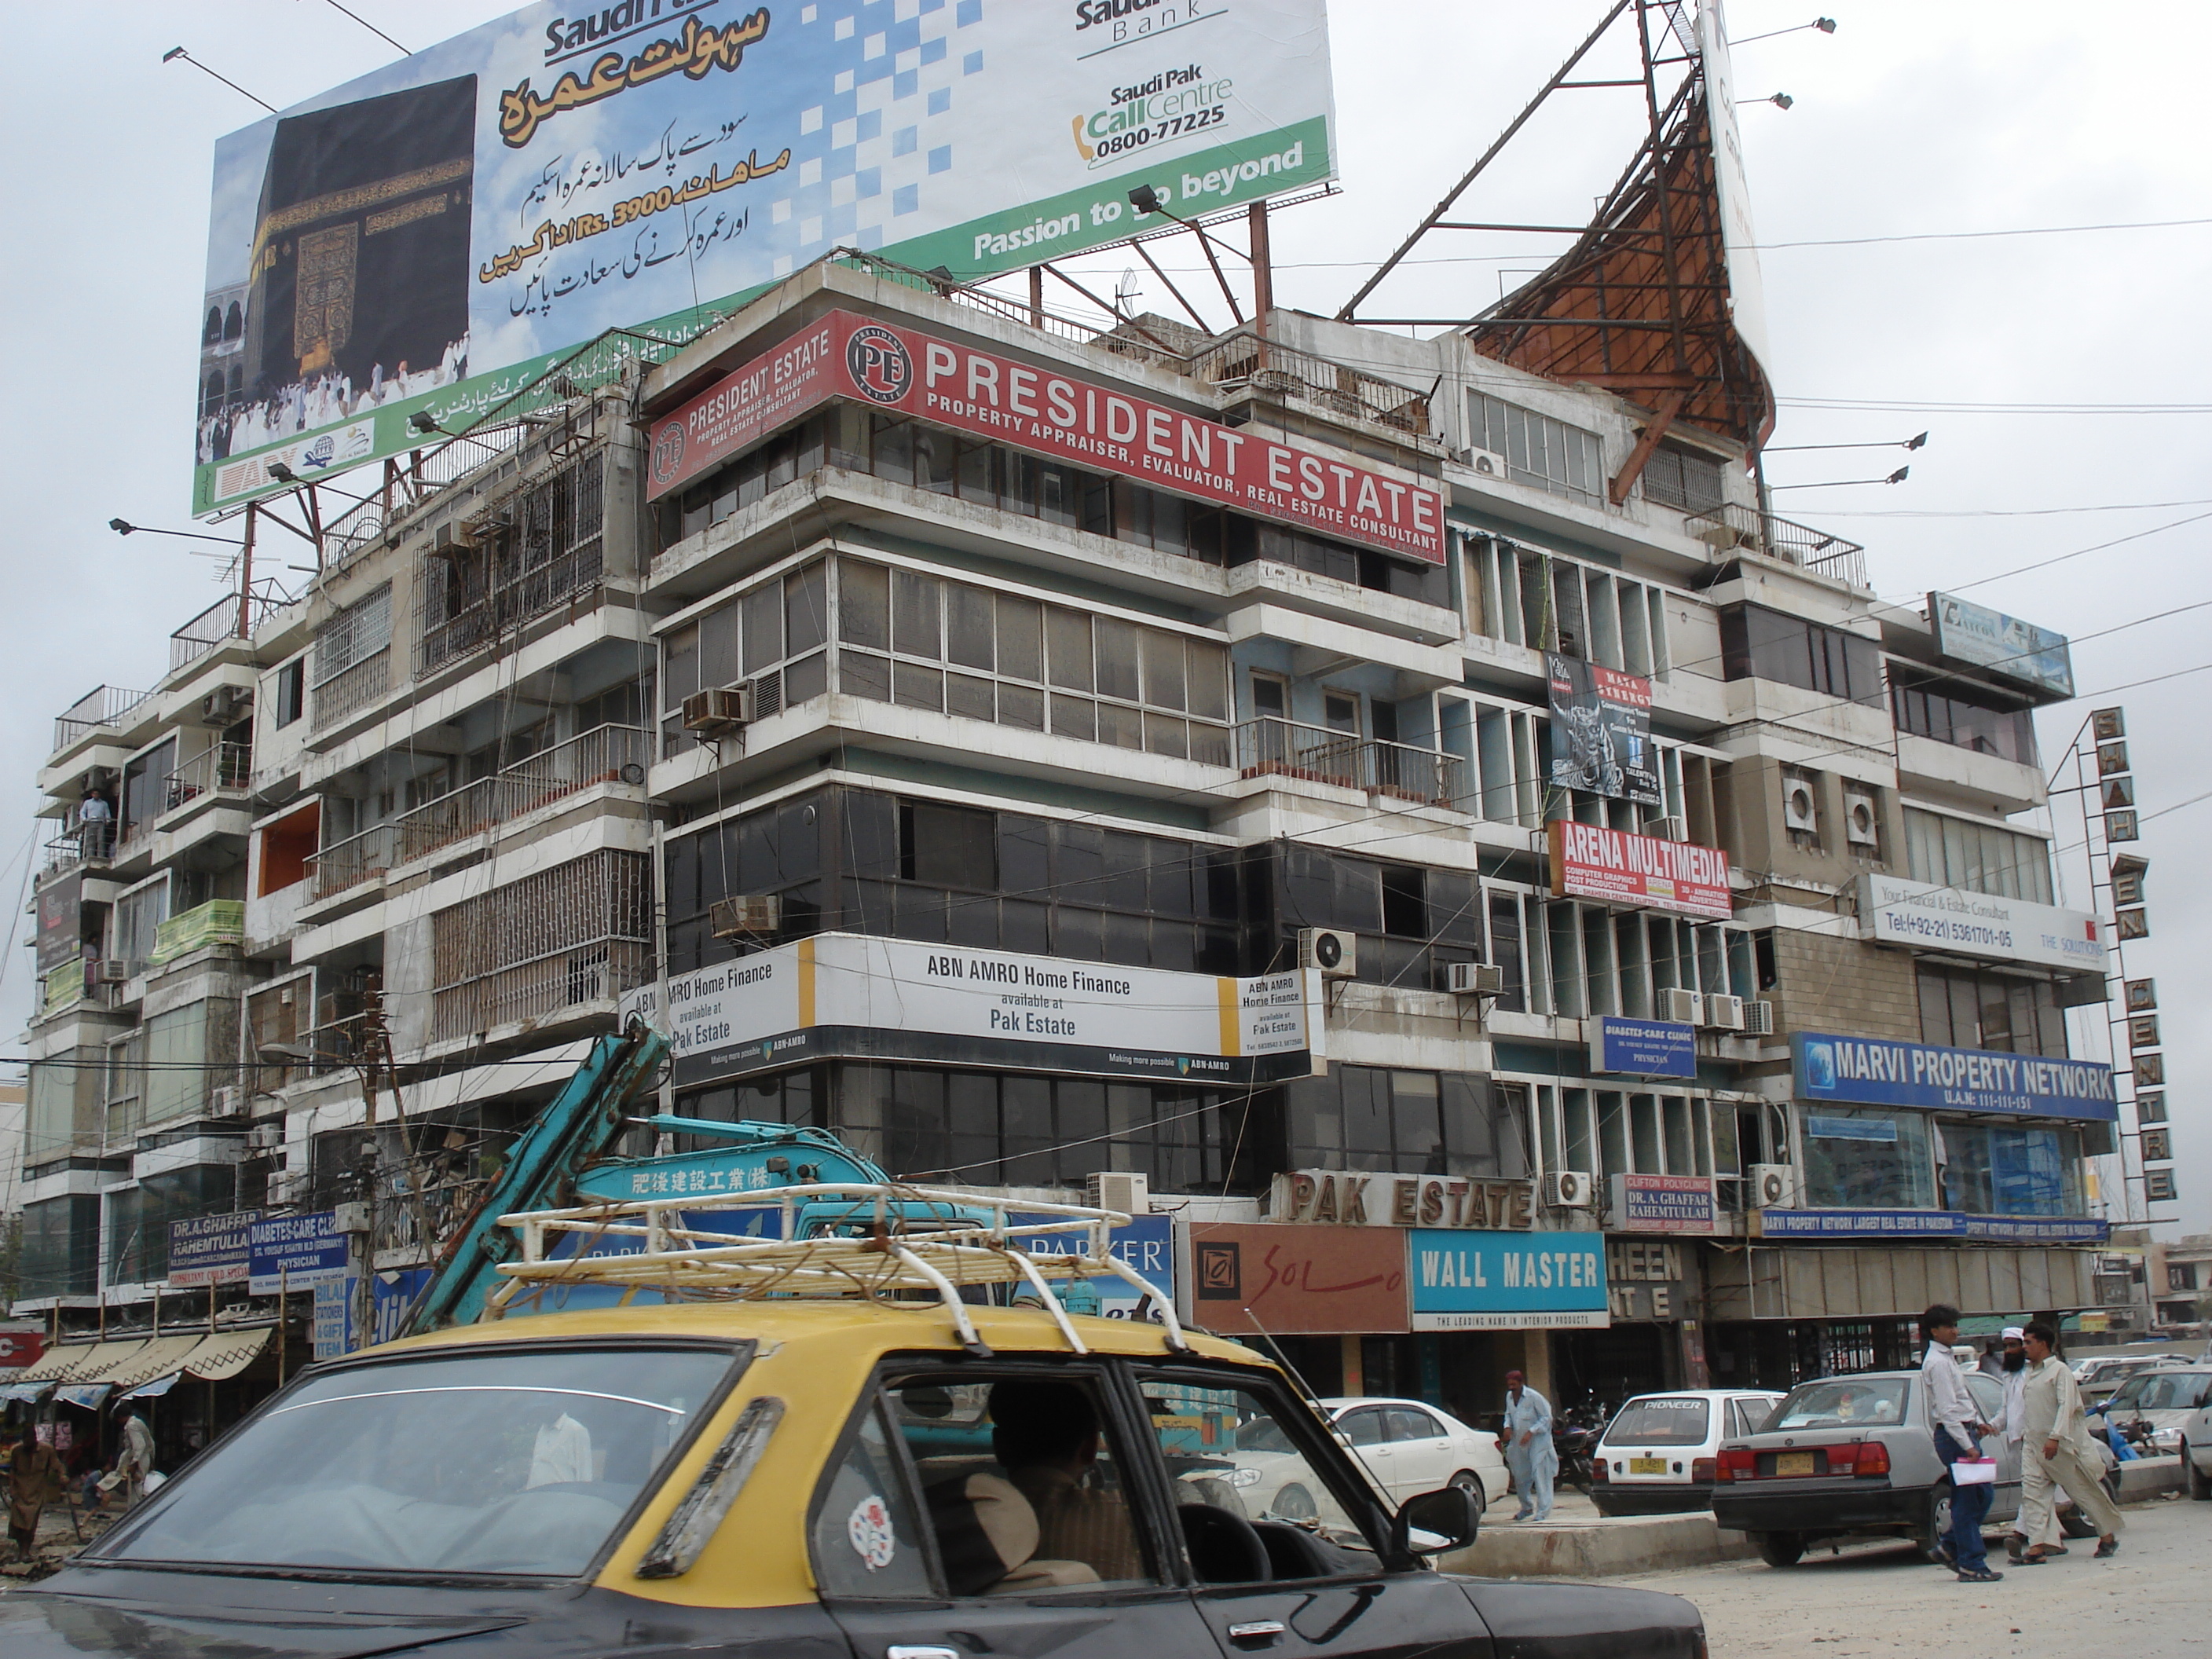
column 125, row 527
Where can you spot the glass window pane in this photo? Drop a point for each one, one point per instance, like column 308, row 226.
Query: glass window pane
column 1021, row 654
column 867, row 1541
column 806, row 608
column 860, row 675
column 1209, row 679
column 967, row 696
column 1069, row 632
column 916, row 631
column 1122, row 727
column 1163, row 670
column 915, row 687
column 968, row 626
column 1252, row 1434
column 1022, row 706
column 1117, row 646
column 1074, row 717
column 864, row 604
column 763, row 625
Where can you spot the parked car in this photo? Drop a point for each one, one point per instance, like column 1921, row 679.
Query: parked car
column 2154, row 1406
column 2197, row 1452
column 1411, row 1446
column 793, row 1476
column 1658, row 1454
column 2100, row 1377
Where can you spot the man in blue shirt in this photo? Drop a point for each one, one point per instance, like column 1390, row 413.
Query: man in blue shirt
column 1529, row 1454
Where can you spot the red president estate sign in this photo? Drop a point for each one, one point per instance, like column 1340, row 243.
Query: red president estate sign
column 948, row 384
column 1591, row 862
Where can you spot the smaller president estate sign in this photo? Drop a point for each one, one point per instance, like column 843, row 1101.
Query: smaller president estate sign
column 1912, row 913
column 1879, row 1072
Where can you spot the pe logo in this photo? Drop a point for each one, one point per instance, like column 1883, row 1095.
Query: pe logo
column 877, row 362
column 668, row 451
column 1820, row 1067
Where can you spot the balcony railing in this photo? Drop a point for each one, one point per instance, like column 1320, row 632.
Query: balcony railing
column 1242, row 358
column 607, row 754
column 104, row 705
column 221, row 767
column 352, row 690
column 1269, row 747
column 219, row 621
column 1730, row 527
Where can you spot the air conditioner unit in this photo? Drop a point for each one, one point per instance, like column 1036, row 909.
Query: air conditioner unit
column 1723, row 1014
column 718, row 709
column 1682, row 1007
column 1483, row 463
column 266, row 1137
column 1474, row 979
column 744, row 917
column 229, row 1101
column 225, row 704
column 449, row 540
column 1569, row 1189
column 1118, row 1190
column 1861, row 822
column 114, row 970
column 350, row 1218
column 1772, row 1186
column 1759, row 1018
column 1337, row 954
column 1799, row 810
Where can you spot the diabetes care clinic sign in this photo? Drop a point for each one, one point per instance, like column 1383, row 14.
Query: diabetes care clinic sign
column 1060, row 416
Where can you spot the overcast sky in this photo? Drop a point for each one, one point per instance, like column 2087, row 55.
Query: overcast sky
column 1934, row 116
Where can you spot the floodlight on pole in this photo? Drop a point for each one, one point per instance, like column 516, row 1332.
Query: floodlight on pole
column 175, row 52
column 1825, row 25
column 125, row 527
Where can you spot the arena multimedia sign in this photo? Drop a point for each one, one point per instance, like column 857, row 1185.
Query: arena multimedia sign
column 1590, row 861
column 1060, row 416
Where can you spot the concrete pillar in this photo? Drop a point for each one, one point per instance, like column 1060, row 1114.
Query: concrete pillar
column 1535, row 1363
column 1355, row 1382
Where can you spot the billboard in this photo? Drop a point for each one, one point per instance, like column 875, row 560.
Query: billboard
column 1507, row 1281
column 434, row 235
column 1883, row 1072
column 1602, row 730
column 293, row 1252
column 1663, row 1204
column 2035, row 657
column 1590, row 861
column 1274, row 1279
column 1984, row 924
column 888, row 999
column 1746, row 287
column 1101, row 426
column 211, row 1249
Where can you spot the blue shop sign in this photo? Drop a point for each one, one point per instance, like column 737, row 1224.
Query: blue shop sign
column 1146, row 1245
column 1933, row 1223
column 1879, row 1072
column 1643, row 1047
column 294, row 1252
column 1482, row 1281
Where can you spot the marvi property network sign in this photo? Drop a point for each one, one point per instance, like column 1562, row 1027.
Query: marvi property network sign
column 886, row 999
column 436, row 235
column 1104, row 427
column 1880, row 1072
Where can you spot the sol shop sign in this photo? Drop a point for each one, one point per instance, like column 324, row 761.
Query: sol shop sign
column 1104, row 427
column 1590, row 861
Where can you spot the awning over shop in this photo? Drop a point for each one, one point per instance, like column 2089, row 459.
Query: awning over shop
column 81, row 1362
column 156, row 1358
column 225, row 1354
column 87, row 1394
column 12, row 1386
column 158, row 1387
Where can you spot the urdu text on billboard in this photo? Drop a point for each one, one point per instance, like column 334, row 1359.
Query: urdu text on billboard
column 436, row 235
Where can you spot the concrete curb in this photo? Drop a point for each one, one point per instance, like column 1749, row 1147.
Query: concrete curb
column 1602, row 1548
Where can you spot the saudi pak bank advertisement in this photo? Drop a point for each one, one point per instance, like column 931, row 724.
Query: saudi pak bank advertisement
column 436, row 235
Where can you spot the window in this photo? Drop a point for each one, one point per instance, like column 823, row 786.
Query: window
column 547, row 549
column 2181, row 1276
column 1538, row 450
column 2007, row 1168
column 866, row 1533
column 1661, row 1420
column 291, row 692
column 146, row 785
column 1525, row 596
column 1941, row 709
column 1272, row 1474
column 1962, row 1009
column 1365, row 1117
column 1980, row 858
column 1756, row 643
column 1685, row 478
column 353, row 636
column 1867, row 1159
column 775, row 635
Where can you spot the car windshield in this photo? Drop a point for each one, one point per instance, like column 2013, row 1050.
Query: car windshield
column 2163, row 1391
column 486, row 1462
column 1661, row 1420
column 1842, row 1402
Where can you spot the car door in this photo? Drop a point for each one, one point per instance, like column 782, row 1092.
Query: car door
column 1368, row 1430
column 1988, row 1401
column 1420, row 1452
column 1326, row 1589
column 907, row 1541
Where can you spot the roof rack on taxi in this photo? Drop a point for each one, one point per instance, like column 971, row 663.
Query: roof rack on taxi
column 843, row 1240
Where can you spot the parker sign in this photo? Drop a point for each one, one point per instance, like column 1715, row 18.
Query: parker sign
column 1589, row 861
column 438, row 233
column 1063, row 416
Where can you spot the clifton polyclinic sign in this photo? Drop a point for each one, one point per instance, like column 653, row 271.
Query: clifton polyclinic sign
column 1590, row 861
column 887, row 998
column 1663, row 1204
column 1057, row 415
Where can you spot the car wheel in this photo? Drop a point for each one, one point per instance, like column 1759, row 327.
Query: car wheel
column 2075, row 1524
column 1293, row 1502
column 1468, row 1480
column 2200, row 1484
column 1935, row 1525
column 1780, row 1549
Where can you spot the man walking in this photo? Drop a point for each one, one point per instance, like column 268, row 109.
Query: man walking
column 2058, row 1446
column 1529, row 1454
column 1958, row 1431
column 2013, row 1375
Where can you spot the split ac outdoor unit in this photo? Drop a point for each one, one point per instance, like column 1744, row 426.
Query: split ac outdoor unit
column 1862, row 826
column 1119, row 1190
column 114, row 970
column 1475, row 979
column 225, row 704
column 449, row 539
column 1484, row 462
column 229, row 1101
column 1569, row 1189
column 1799, row 809
column 718, row 708
column 266, row 1137
column 1337, row 954
column 1773, row 1187
column 1681, row 1007
column 1724, row 1013
column 1759, row 1018
column 742, row 918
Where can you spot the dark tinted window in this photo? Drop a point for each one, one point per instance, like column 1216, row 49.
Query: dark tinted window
column 1756, row 643
column 1661, row 1420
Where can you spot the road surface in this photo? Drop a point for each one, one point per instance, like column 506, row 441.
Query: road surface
column 2153, row 1601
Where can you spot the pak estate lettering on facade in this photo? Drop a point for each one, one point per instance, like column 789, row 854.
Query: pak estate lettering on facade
column 1402, row 1200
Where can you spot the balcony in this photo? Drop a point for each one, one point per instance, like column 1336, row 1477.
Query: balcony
column 219, row 922
column 220, row 769
column 102, row 706
column 1731, row 528
column 1271, row 369
column 607, row 754
column 1270, row 747
column 221, row 622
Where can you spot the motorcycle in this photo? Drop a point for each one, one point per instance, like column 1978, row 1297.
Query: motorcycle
column 1575, row 1435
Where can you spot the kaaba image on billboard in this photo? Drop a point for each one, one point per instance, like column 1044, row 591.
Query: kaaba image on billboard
column 360, row 245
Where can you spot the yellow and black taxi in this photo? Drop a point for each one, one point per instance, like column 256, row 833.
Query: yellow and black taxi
column 806, row 1478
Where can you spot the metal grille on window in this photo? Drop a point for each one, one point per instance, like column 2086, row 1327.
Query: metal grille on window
column 351, row 666
column 516, row 560
column 578, row 933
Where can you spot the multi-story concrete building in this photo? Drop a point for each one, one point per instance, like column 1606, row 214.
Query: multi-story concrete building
column 881, row 612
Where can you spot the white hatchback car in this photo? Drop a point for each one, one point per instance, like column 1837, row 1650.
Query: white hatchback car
column 1658, row 1454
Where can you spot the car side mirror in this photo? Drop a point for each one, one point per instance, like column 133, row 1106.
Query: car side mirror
column 1434, row 1523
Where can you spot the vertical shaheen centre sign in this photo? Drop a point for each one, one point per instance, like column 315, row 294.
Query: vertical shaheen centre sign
column 1104, row 427
column 435, row 235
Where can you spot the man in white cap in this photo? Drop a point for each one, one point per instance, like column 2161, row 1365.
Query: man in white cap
column 2013, row 1373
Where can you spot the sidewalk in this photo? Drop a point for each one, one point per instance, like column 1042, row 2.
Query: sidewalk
column 1577, row 1542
